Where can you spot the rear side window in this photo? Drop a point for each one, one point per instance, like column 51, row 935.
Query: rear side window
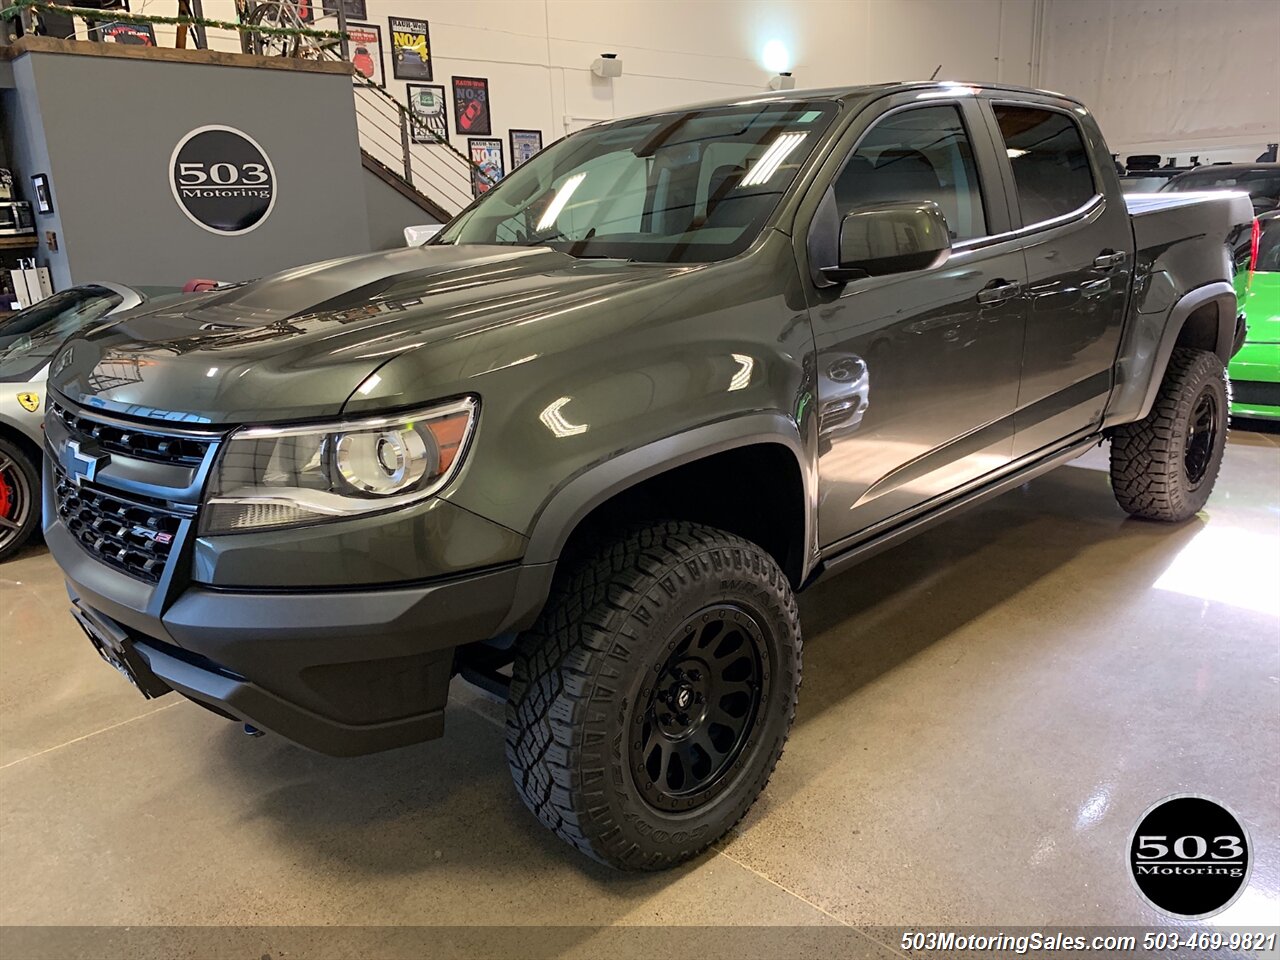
column 917, row 154
column 1049, row 160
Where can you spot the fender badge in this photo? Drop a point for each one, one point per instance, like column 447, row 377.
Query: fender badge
column 30, row 401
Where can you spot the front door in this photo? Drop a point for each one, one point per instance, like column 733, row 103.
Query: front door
column 918, row 372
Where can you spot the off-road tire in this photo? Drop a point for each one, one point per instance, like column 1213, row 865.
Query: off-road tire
column 22, row 482
column 591, row 660
column 1149, row 459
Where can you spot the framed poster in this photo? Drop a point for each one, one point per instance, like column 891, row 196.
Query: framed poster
column 486, row 154
column 524, row 144
column 410, row 49
column 471, row 106
column 353, row 9
column 134, row 34
column 365, row 46
column 430, row 112
column 44, row 198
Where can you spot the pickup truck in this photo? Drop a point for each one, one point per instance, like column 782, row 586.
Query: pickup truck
column 585, row 446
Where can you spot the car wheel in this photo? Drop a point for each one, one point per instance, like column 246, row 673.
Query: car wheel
column 651, row 701
column 1164, row 466
column 19, row 499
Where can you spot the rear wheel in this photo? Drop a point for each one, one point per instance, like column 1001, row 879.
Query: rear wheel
column 651, row 701
column 1164, row 466
column 19, row 494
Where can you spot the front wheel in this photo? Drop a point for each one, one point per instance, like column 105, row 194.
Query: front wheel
column 19, row 499
column 651, row 701
column 1164, row 466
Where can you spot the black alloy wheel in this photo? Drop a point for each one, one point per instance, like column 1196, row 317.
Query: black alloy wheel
column 1202, row 435
column 691, row 728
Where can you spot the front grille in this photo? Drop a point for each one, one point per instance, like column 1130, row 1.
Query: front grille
column 132, row 442
column 129, row 535
column 1255, row 393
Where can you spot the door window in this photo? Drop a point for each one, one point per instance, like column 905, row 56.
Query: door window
column 918, row 154
column 1049, row 160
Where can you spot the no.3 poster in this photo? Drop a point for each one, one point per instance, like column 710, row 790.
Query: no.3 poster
column 471, row 106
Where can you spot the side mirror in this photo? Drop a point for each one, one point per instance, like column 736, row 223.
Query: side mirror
column 417, row 236
column 886, row 238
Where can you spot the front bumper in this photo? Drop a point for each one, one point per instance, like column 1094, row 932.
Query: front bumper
column 342, row 672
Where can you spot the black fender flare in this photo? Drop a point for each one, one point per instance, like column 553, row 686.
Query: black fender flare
column 1145, row 357
column 569, row 504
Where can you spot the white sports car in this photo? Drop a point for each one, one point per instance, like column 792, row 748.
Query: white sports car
column 28, row 340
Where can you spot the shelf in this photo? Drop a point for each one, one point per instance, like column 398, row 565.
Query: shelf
column 18, row 243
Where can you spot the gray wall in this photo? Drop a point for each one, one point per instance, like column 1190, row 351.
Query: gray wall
column 104, row 130
column 389, row 213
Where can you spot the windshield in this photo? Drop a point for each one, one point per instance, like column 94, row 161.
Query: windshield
column 678, row 188
column 30, row 337
column 1262, row 184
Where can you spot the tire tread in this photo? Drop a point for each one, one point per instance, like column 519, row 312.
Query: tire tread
column 565, row 659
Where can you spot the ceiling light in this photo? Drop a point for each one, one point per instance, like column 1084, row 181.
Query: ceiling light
column 775, row 57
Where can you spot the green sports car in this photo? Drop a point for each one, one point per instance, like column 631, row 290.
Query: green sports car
column 1255, row 370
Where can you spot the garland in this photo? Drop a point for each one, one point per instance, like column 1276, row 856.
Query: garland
column 124, row 16
column 17, row 6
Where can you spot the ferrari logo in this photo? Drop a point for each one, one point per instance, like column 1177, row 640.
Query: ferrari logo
column 30, row 401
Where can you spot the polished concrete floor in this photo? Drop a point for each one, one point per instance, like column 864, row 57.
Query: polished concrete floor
column 986, row 712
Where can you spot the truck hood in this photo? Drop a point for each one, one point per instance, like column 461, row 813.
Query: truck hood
column 297, row 344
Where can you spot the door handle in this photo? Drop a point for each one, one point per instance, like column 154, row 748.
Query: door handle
column 1108, row 259
column 998, row 291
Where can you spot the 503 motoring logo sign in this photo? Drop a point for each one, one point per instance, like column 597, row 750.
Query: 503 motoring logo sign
column 1190, row 857
column 223, row 180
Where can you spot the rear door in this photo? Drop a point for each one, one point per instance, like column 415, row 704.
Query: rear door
column 917, row 373
column 1079, row 244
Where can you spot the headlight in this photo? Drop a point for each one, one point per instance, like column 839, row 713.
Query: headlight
column 285, row 476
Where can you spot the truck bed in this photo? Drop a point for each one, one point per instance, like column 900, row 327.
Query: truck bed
column 1163, row 220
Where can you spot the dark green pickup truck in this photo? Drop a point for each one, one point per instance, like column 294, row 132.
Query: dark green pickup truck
column 584, row 446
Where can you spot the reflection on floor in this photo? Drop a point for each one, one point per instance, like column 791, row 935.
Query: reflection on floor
column 986, row 712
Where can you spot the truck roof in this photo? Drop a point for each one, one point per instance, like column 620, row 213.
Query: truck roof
column 861, row 91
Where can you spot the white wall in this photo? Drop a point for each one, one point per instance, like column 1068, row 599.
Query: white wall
column 1173, row 77
column 537, row 53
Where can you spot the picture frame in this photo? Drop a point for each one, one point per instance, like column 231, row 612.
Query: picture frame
column 428, row 107
column 354, row 9
column 42, row 192
column 130, row 34
column 472, row 110
column 364, row 46
column 410, row 48
column 486, row 153
column 525, row 144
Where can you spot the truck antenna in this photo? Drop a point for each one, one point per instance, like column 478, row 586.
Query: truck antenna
column 934, row 75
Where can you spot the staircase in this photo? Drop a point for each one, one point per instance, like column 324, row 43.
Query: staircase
column 434, row 174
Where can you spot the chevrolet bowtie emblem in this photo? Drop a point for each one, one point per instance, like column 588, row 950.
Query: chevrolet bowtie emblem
column 83, row 466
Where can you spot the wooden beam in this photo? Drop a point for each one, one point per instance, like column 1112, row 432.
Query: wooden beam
column 121, row 51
